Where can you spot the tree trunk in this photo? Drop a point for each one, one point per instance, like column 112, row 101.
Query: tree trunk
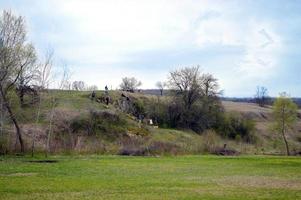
column 14, row 120
column 286, row 143
column 32, row 149
column 21, row 95
column 283, row 133
column 50, row 128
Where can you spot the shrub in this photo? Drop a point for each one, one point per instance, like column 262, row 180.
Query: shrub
column 138, row 107
column 211, row 141
column 136, row 131
column 107, row 122
column 61, row 136
column 299, row 138
column 4, row 145
column 200, row 116
column 163, row 148
column 158, row 111
column 133, row 146
column 233, row 126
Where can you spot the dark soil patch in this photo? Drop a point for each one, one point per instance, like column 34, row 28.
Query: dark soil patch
column 226, row 152
column 133, row 152
column 42, row 161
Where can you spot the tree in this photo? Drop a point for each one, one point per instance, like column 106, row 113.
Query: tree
column 261, row 96
column 285, row 116
column 160, row 85
column 187, row 83
column 28, row 75
column 210, row 86
column 65, row 83
column 78, row 85
column 92, row 88
column 43, row 80
column 195, row 104
column 15, row 53
column 44, row 70
column 130, row 84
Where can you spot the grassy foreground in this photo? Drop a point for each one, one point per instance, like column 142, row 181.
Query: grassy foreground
column 183, row 177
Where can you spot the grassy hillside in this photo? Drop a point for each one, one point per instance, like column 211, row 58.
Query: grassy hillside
column 270, row 141
column 73, row 112
column 185, row 177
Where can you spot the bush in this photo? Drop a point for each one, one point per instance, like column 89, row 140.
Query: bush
column 163, row 148
column 158, row 111
column 299, row 138
column 211, row 141
column 133, row 146
column 233, row 126
column 61, row 136
column 138, row 107
column 4, row 145
column 201, row 116
column 142, row 146
column 107, row 122
column 136, row 131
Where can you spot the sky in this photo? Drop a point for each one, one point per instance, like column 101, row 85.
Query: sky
column 244, row 44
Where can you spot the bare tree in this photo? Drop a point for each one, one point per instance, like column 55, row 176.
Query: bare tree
column 78, row 85
column 92, row 88
column 15, row 53
column 50, row 127
column 195, row 104
column 210, row 86
column 65, row 83
column 130, row 84
column 28, row 75
column 161, row 85
column 43, row 79
column 261, row 96
column 44, row 71
column 187, row 82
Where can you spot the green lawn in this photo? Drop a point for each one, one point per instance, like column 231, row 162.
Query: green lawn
column 183, row 177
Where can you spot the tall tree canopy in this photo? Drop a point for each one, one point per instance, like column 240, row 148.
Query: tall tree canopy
column 196, row 104
column 17, row 56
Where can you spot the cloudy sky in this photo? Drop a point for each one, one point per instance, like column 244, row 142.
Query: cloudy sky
column 243, row 43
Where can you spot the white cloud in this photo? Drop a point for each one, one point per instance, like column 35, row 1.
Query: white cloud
column 262, row 51
column 219, row 31
column 98, row 36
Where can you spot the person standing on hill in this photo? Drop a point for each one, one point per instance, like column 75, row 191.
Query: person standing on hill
column 93, row 95
column 106, row 90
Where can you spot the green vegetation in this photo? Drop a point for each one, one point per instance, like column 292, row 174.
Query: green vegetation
column 234, row 126
column 285, row 113
column 187, row 177
column 81, row 125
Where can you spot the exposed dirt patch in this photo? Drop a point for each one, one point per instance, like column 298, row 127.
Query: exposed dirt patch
column 260, row 182
column 42, row 161
column 226, row 152
column 20, row 174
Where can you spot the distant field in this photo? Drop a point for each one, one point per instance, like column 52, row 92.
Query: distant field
column 187, row 177
column 245, row 107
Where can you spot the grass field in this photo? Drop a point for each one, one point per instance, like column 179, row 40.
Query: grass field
column 115, row 177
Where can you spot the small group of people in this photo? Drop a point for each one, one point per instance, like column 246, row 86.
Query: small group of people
column 104, row 99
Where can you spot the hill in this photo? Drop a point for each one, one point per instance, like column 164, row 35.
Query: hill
column 264, row 121
column 79, row 124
